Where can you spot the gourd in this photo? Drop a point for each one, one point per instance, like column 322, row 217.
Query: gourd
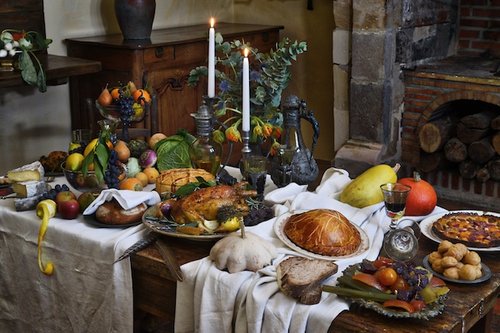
column 422, row 198
column 242, row 252
column 364, row 190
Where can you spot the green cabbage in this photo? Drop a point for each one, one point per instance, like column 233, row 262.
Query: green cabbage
column 173, row 152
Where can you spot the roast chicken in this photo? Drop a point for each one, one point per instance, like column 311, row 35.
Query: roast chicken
column 202, row 205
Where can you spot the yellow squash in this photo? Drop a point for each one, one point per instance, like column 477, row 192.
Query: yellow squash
column 364, row 190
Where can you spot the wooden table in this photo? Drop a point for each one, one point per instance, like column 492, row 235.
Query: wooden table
column 468, row 306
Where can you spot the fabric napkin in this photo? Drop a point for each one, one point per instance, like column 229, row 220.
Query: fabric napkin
column 211, row 300
column 126, row 198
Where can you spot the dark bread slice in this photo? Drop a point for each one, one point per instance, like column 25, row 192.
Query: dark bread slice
column 301, row 278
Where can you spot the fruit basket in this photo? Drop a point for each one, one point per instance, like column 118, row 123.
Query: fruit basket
column 78, row 181
column 112, row 111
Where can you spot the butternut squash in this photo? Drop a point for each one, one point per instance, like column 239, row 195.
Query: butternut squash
column 364, row 190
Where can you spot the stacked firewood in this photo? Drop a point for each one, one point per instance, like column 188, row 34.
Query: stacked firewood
column 471, row 143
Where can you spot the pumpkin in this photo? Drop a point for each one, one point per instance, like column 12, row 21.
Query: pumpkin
column 245, row 251
column 422, row 198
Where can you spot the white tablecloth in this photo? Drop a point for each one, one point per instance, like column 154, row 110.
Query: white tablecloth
column 210, row 300
column 86, row 293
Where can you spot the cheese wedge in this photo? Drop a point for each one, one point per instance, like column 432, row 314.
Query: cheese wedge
column 30, row 188
column 33, row 171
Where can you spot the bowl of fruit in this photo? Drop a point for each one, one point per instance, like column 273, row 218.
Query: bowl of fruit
column 81, row 182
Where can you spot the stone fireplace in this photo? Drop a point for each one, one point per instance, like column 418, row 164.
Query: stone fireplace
column 412, row 62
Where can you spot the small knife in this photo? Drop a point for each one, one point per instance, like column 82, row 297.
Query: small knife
column 169, row 258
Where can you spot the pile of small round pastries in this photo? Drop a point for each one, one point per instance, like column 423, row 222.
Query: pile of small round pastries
column 455, row 261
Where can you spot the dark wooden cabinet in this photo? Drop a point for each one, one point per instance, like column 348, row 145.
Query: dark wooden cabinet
column 164, row 62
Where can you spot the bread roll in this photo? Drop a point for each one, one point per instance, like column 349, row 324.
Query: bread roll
column 111, row 212
column 323, row 231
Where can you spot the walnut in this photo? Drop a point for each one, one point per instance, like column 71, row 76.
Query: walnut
column 467, row 272
column 471, row 258
column 448, row 262
column 451, row 273
column 444, row 246
column 433, row 256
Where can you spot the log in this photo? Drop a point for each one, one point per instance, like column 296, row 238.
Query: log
column 468, row 169
column 468, row 135
column 483, row 174
column 433, row 135
column 494, row 169
column 455, row 150
column 495, row 142
column 495, row 123
column 480, row 120
column 481, row 151
column 430, row 162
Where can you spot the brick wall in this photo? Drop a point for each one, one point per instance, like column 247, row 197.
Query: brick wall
column 479, row 27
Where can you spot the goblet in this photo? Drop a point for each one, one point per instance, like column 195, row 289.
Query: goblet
column 255, row 173
column 399, row 244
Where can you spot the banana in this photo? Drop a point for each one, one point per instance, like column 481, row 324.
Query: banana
column 45, row 209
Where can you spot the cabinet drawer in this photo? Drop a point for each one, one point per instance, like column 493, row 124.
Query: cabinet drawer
column 178, row 55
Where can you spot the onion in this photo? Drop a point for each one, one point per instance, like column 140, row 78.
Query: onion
column 148, row 158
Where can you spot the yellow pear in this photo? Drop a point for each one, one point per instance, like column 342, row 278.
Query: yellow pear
column 105, row 98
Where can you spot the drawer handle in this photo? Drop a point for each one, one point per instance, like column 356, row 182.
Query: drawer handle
column 159, row 51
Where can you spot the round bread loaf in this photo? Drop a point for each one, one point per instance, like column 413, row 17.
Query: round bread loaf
column 323, row 231
column 111, row 212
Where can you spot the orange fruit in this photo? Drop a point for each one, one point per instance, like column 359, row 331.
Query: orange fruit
column 152, row 174
column 115, row 93
column 142, row 96
column 132, row 184
column 143, row 178
column 122, row 151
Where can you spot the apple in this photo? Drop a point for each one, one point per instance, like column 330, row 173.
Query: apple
column 69, row 209
column 64, row 196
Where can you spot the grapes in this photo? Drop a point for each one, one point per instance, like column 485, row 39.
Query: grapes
column 258, row 215
column 52, row 193
column 112, row 171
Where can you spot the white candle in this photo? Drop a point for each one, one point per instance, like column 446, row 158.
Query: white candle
column 246, row 95
column 211, row 59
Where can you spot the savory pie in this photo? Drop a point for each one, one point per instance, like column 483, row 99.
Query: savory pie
column 323, row 231
column 470, row 229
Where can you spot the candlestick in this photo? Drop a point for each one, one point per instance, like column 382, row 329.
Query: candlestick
column 246, row 95
column 211, row 59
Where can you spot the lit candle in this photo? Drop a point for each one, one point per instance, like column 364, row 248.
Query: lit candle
column 246, row 94
column 211, row 59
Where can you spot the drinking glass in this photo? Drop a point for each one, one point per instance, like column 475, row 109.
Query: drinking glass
column 399, row 244
column 256, row 173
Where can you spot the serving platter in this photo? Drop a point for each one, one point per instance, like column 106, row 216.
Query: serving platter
column 426, row 228
column 430, row 311
column 167, row 227
column 486, row 273
column 279, row 226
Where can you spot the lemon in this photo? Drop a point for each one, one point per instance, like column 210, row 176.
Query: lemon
column 138, row 110
column 90, row 146
column 74, row 161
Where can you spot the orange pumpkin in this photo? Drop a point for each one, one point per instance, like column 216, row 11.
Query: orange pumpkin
column 422, row 198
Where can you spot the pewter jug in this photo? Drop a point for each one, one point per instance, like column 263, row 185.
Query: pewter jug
column 295, row 162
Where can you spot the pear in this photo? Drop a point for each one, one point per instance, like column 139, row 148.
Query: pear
column 131, row 87
column 105, row 98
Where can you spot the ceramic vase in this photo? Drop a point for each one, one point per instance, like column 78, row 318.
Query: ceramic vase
column 135, row 18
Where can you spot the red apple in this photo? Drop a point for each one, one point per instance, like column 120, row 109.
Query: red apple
column 64, row 196
column 69, row 209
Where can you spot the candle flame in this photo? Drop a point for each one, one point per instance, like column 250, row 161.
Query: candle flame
column 212, row 22
column 245, row 52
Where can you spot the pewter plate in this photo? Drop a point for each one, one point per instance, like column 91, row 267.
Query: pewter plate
column 167, row 227
column 486, row 274
column 279, row 225
column 426, row 228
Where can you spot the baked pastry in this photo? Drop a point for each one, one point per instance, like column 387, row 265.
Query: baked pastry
column 52, row 162
column 171, row 180
column 301, row 278
column 323, row 231
column 470, row 229
column 111, row 212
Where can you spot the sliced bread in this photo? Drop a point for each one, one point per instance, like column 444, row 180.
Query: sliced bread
column 301, row 278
